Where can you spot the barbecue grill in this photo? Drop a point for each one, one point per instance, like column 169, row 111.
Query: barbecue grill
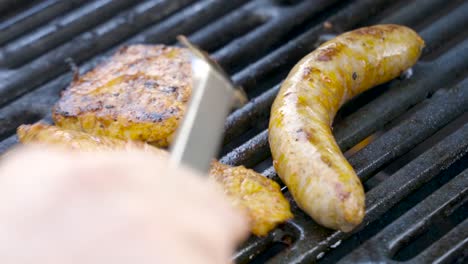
column 413, row 131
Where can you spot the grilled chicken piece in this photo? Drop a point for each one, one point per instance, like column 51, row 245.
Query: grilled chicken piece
column 260, row 197
column 140, row 93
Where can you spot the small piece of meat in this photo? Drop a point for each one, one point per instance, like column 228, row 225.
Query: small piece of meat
column 140, row 93
column 260, row 197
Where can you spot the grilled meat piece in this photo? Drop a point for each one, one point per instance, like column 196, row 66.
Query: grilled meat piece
column 140, row 93
column 76, row 140
column 260, row 197
column 304, row 150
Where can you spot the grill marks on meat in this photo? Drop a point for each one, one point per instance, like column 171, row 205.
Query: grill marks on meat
column 140, row 93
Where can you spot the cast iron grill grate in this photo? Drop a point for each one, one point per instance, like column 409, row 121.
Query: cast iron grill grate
column 414, row 166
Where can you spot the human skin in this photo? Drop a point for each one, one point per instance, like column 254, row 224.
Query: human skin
column 111, row 207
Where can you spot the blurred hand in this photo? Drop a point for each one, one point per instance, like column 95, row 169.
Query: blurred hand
column 63, row 207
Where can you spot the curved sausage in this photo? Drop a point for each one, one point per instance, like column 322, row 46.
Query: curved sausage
column 304, row 150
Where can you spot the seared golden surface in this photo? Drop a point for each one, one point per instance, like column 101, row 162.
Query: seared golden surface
column 304, row 150
column 140, row 93
column 75, row 140
column 260, row 197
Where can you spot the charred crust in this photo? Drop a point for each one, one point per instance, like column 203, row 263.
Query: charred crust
column 173, row 110
column 305, row 135
column 151, row 84
column 326, row 160
column 169, row 89
column 122, row 49
column 312, row 138
column 376, row 31
column 61, row 112
column 326, row 55
column 156, row 117
column 116, row 98
column 309, row 71
column 301, row 135
column 92, row 107
column 329, row 52
column 369, row 31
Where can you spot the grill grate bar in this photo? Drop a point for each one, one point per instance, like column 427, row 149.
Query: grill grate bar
column 439, row 204
column 434, row 114
column 35, row 16
column 257, row 108
column 291, row 52
column 414, row 12
column 187, row 21
column 249, row 153
column 454, row 244
column 31, row 107
column 268, row 34
column 31, row 45
column 226, row 29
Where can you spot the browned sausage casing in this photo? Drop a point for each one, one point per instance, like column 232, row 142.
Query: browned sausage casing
column 304, row 150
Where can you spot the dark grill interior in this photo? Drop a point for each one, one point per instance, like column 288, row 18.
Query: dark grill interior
column 415, row 168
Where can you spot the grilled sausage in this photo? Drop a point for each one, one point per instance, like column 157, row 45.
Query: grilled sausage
column 304, row 150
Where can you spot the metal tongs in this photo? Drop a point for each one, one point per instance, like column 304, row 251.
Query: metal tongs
column 213, row 96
